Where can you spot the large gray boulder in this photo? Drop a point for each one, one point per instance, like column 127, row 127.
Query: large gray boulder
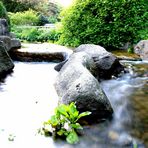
column 6, row 64
column 142, row 49
column 76, row 83
column 107, row 65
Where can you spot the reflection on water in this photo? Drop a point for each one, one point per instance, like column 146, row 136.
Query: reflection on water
column 27, row 98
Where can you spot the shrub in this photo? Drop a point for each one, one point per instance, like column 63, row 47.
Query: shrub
column 110, row 23
column 50, row 35
column 35, row 34
column 53, row 19
column 3, row 13
column 30, row 34
column 29, row 17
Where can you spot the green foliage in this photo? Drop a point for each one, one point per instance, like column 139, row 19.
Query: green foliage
column 30, row 34
column 44, row 7
column 65, row 122
column 29, row 17
column 3, row 12
column 53, row 19
column 35, row 34
column 110, row 23
column 130, row 50
column 143, row 34
column 23, row 5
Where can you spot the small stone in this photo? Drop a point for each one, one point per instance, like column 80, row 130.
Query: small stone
column 113, row 135
column 11, row 137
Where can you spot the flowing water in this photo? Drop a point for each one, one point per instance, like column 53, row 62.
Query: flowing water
column 28, row 98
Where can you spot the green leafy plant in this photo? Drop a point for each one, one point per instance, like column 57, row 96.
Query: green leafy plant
column 65, row 123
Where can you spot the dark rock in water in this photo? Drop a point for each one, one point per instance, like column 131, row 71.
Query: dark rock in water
column 60, row 65
column 142, row 49
column 6, row 64
column 37, row 56
column 107, row 64
column 76, row 83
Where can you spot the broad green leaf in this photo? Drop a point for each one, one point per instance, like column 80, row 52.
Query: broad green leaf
column 47, row 122
column 73, row 110
column 84, row 114
column 63, row 110
column 54, row 121
column 57, row 113
column 61, row 132
column 72, row 138
column 76, row 126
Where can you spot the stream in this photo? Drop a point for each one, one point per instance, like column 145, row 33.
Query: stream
column 28, row 98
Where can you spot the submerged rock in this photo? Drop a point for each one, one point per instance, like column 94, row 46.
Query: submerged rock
column 6, row 64
column 142, row 49
column 76, row 83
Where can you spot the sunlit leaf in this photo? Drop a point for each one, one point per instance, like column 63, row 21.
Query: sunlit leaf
column 73, row 110
column 84, row 114
column 76, row 126
column 61, row 132
column 54, row 121
column 72, row 138
column 63, row 110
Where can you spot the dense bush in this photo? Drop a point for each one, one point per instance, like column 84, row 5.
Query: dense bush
column 29, row 17
column 110, row 23
column 3, row 12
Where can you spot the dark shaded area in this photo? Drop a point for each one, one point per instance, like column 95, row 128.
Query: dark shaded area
column 37, row 57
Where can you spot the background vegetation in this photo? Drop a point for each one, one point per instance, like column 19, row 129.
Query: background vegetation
column 42, row 7
column 32, row 34
column 110, row 23
column 23, row 13
column 3, row 12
